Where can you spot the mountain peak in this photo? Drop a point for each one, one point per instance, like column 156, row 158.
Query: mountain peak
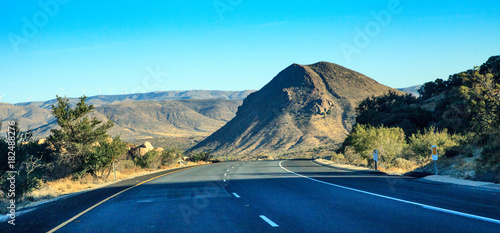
column 304, row 106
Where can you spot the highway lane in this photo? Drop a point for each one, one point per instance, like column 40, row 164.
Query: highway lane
column 44, row 217
column 193, row 200
column 267, row 196
column 305, row 205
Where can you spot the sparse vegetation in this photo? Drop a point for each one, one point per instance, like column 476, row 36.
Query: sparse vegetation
column 459, row 115
column 201, row 156
column 390, row 142
column 30, row 162
column 155, row 159
column 421, row 143
column 151, row 159
column 98, row 161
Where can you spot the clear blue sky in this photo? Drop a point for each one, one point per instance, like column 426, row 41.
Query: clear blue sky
column 144, row 46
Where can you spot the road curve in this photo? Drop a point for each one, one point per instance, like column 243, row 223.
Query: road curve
column 283, row 196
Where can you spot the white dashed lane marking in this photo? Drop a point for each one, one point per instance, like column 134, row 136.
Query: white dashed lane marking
column 269, row 221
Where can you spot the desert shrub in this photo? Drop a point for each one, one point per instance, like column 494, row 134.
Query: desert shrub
column 338, row 158
column 352, row 157
column 202, row 156
column 125, row 164
column 168, row 157
column 98, row 161
column 151, row 159
column 29, row 162
column 282, row 157
column 390, row 142
column 490, row 160
column 402, row 163
column 420, row 144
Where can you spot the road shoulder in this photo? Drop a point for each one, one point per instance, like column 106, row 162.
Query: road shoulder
column 431, row 178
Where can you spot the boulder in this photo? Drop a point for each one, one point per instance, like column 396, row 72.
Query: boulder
column 159, row 149
column 142, row 149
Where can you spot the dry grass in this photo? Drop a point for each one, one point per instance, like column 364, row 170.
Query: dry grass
column 400, row 170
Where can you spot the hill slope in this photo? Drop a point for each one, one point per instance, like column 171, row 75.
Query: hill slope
column 302, row 107
column 173, row 118
column 29, row 116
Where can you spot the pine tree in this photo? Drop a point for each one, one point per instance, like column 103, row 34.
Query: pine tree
column 77, row 134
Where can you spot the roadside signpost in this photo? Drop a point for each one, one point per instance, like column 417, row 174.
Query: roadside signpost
column 375, row 158
column 114, row 171
column 435, row 157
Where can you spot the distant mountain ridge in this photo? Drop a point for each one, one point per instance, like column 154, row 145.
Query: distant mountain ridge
column 411, row 90
column 100, row 100
column 304, row 106
column 141, row 116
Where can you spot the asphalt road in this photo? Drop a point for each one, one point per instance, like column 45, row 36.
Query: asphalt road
column 274, row 196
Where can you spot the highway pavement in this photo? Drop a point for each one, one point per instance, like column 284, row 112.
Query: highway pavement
column 272, row 196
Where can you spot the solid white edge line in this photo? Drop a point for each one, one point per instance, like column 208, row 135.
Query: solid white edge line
column 269, row 221
column 236, row 195
column 399, row 200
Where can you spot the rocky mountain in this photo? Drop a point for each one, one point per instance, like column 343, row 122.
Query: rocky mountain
column 304, row 106
column 141, row 116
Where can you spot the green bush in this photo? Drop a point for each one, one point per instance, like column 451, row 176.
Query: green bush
column 30, row 162
column 390, row 142
column 125, row 164
column 151, row 159
column 155, row 159
column 402, row 163
column 97, row 161
column 338, row 158
column 202, row 156
column 352, row 157
column 170, row 156
column 420, row 144
column 490, row 160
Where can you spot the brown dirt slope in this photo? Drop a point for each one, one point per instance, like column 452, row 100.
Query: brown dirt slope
column 304, row 106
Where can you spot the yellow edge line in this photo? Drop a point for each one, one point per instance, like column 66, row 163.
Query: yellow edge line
column 116, row 194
